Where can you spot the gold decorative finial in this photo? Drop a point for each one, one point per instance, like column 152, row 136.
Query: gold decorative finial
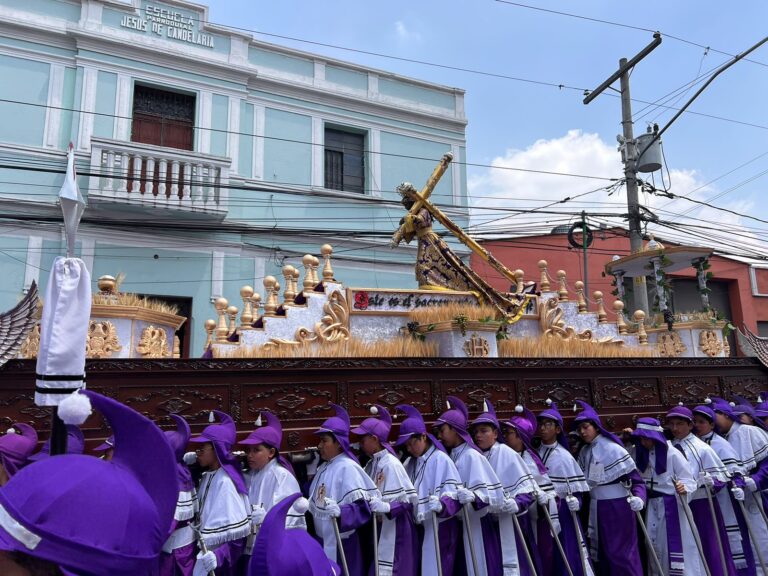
column 563, row 290
column 256, row 304
column 618, row 307
column 221, row 309
column 642, row 335
column 307, row 261
column 107, row 284
column 176, row 347
column 519, row 275
column 296, row 275
column 582, row 301
column 232, row 313
column 315, row 267
column 210, row 326
column 602, row 317
column 326, row 250
column 289, row 294
column 270, row 304
column 544, row 282
column 246, row 319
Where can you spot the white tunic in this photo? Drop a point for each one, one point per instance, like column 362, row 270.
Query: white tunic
column 689, row 563
column 390, row 477
column 544, row 484
column 702, row 460
column 267, row 487
column 478, row 476
column 343, row 480
column 224, row 514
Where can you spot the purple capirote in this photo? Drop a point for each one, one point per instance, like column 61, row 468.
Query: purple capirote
column 722, row 406
column 552, row 413
column 588, row 414
column 130, row 501
column 223, row 436
column 414, row 424
column 524, row 422
column 457, row 417
column 338, row 426
column 270, row 434
column 75, row 444
column 178, row 440
column 378, row 427
column 651, row 428
column 281, row 552
column 487, row 416
column 16, row 447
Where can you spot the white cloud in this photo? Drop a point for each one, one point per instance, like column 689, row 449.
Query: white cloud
column 403, row 33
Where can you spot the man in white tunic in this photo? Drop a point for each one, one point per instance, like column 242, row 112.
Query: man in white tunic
column 269, row 479
column 341, row 492
column 398, row 542
column 480, row 494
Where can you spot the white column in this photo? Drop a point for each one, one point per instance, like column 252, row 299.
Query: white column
column 259, row 116
column 217, row 275
column 374, row 157
column 87, row 104
column 456, row 173
column 34, row 255
column 319, row 76
column 204, row 122
column 318, row 143
column 124, row 113
column 53, row 110
column 373, row 86
column 233, row 150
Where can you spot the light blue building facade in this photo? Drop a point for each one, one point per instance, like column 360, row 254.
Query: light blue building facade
column 208, row 159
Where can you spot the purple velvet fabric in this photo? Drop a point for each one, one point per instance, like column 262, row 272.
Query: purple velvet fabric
column 180, row 562
column 227, row 557
column 526, row 526
column 619, row 553
column 702, row 517
column 449, row 535
column 569, row 538
column 407, row 559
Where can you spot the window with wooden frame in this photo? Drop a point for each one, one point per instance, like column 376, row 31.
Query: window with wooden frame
column 163, row 118
column 344, row 160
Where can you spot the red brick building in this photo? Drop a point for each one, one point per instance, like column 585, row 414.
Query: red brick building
column 739, row 289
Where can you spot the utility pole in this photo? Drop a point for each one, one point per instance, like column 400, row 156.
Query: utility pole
column 629, row 158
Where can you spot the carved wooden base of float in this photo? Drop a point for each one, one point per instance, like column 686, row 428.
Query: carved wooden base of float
column 299, row 391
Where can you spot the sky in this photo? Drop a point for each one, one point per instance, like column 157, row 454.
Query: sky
column 717, row 153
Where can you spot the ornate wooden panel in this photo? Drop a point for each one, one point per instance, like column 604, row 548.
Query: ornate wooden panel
column 363, row 394
column 290, row 401
column 193, row 403
column 746, row 385
column 626, row 392
column 689, row 389
column 535, row 391
column 502, row 392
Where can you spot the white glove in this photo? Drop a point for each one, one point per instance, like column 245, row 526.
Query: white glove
column 573, row 503
column 556, row 525
column 635, row 503
column 510, row 506
column 379, row 506
column 257, row 515
column 706, row 480
column 738, row 493
column 207, row 562
column 543, row 498
column 332, row 508
column 190, row 458
column 750, row 484
column 465, row 496
column 434, row 504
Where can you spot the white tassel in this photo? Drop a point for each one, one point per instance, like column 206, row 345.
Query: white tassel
column 447, row 404
column 211, row 417
column 258, row 420
column 760, row 399
column 519, row 409
column 575, row 407
column 733, row 404
column 680, row 403
column 301, row 505
column 11, row 431
column 374, row 411
column 548, row 401
column 485, row 405
column 75, row 409
column 707, row 400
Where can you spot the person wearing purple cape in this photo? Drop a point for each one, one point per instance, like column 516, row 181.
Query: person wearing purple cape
column 751, row 446
column 517, row 483
column 222, row 500
column 398, row 543
column 567, row 477
column 710, row 474
column 16, row 446
column 436, row 480
column 518, row 434
column 480, row 493
column 178, row 555
column 616, row 492
column 269, row 478
column 735, row 526
column 77, row 515
column 75, row 444
column 666, row 474
column 340, row 493
column 281, row 552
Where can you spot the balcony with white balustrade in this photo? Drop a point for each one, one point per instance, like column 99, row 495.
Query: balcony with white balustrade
column 152, row 180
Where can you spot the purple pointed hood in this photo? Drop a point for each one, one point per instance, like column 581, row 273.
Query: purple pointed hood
column 651, row 428
column 722, row 406
column 761, row 410
column 338, row 426
column 680, row 412
column 379, row 427
column 414, row 424
column 129, row 500
column 270, row 433
column 588, row 414
column 223, row 437
column 281, row 552
column 108, row 444
column 75, row 444
column 178, row 440
column 552, row 413
column 16, row 446
column 524, row 422
column 457, row 417
column 744, row 406
column 488, row 416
